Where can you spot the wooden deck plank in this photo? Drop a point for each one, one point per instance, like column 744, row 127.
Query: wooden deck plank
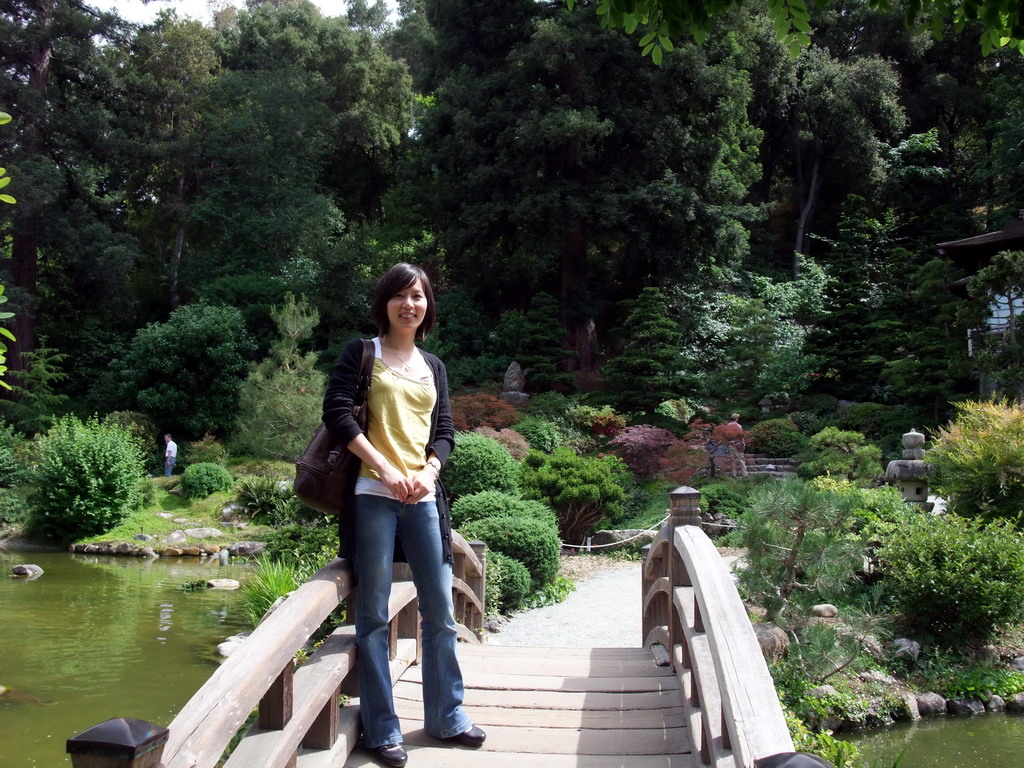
column 549, row 699
column 579, row 684
column 498, row 651
column 667, row 717
column 566, row 741
column 562, row 666
column 436, row 757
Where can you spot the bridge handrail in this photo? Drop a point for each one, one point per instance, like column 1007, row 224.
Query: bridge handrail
column 692, row 607
column 260, row 673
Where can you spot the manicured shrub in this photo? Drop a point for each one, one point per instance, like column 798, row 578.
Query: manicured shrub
column 510, row 439
column 581, row 490
column 482, row 410
column 477, row 464
column 208, row 450
column 200, row 480
column 807, row 422
column 841, row 454
column 955, row 578
column 870, row 419
column 314, row 545
column 88, row 479
column 678, row 410
column 643, row 448
column 548, row 405
column 508, row 583
column 477, row 506
column 980, row 460
column 542, row 434
column 777, row 438
column 532, row 542
column 604, row 422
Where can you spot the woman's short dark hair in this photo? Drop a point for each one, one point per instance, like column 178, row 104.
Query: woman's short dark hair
column 397, row 278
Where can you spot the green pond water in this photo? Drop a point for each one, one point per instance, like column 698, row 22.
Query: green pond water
column 98, row 637
column 985, row 741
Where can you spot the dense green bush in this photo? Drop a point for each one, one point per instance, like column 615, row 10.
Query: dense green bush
column 11, row 470
column 980, row 460
column 820, row 404
column 14, row 506
column 186, row 373
column 837, row 453
column 200, row 480
column 778, row 438
column 88, row 479
column 143, row 430
column 508, row 583
column 807, row 422
column 477, row 464
column 267, row 499
column 955, row 578
column 532, row 542
column 315, row 545
column 548, row 405
column 870, row 419
column 476, row 506
column 542, row 434
column 582, row 490
column 208, row 450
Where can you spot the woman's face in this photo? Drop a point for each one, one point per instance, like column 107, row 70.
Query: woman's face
column 407, row 308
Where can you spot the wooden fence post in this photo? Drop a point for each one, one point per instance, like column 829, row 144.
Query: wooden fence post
column 685, row 510
column 479, row 585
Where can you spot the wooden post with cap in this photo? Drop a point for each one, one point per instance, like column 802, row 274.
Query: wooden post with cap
column 123, row 742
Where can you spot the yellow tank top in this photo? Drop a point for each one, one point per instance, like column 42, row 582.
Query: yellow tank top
column 400, row 410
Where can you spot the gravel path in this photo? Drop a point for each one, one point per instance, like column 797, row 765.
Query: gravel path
column 603, row 612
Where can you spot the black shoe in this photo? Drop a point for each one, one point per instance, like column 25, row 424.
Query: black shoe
column 472, row 738
column 391, row 755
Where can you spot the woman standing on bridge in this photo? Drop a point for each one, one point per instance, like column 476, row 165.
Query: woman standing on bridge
column 397, row 500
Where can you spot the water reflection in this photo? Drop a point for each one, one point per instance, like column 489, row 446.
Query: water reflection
column 81, row 644
column 990, row 740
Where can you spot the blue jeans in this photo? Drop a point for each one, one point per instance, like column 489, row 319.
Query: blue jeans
column 168, row 466
column 377, row 520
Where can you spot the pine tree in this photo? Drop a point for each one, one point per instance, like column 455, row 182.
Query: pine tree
column 280, row 403
column 648, row 370
column 540, row 350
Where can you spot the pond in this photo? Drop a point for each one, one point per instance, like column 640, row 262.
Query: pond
column 991, row 740
column 98, row 637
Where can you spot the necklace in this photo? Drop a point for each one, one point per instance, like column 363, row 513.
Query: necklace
column 406, row 367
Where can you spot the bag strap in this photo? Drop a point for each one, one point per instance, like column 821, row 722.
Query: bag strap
column 365, row 372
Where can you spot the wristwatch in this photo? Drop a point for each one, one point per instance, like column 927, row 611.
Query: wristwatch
column 435, row 462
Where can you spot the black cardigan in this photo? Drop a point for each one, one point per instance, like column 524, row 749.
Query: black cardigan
column 338, row 402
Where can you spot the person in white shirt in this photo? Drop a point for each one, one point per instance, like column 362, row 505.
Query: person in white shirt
column 170, row 456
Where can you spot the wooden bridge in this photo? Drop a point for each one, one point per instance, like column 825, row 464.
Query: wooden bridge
column 695, row 691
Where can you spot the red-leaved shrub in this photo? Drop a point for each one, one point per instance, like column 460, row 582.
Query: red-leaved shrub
column 643, row 448
column 482, row 410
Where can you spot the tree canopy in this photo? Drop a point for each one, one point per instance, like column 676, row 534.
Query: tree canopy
column 663, row 21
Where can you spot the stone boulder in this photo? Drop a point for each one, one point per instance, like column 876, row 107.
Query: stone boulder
column 147, row 552
column 905, row 648
column 774, row 641
column 1015, row 703
column 203, row 533
column 142, row 537
column 930, row 704
column 231, row 645
column 968, row 707
column 246, row 548
column 29, row 570
column 222, row 584
column 172, row 552
column 825, row 611
column 124, row 548
column 515, row 379
column 164, row 515
column 232, row 512
column 995, row 704
column 909, row 700
column 612, row 540
column 1018, row 664
column 175, row 538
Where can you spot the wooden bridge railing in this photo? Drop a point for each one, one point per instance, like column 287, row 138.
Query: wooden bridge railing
column 298, row 707
column 692, row 608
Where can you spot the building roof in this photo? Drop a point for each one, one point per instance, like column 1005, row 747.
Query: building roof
column 974, row 253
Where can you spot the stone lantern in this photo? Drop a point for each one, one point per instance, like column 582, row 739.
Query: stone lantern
column 910, row 474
